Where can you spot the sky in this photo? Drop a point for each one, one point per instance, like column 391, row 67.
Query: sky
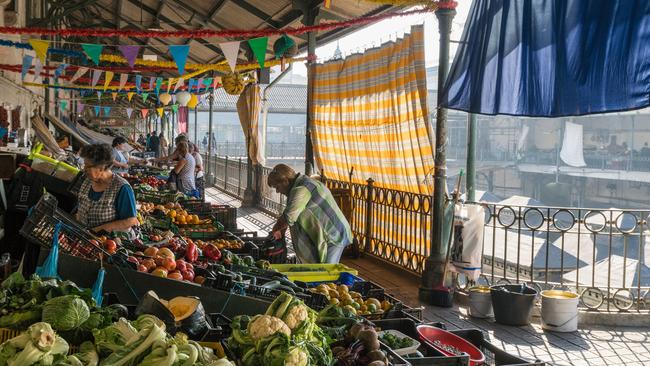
column 389, row 29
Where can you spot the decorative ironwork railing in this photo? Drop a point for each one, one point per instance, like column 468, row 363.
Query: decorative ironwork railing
column 600, row 254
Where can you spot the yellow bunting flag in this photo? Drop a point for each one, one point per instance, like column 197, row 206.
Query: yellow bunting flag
column 107, row 79
column 114, row 95
column 160, row 111
column 129, row 95
column 40, row 47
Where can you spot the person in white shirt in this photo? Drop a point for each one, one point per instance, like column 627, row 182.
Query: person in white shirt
column 199, row 181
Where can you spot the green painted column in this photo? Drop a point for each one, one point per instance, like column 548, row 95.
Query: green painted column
column 431, row 289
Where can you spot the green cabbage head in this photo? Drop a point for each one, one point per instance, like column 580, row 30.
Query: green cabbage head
column 65, row 312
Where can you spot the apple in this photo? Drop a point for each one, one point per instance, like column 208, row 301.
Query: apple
column 159, row 261
column 169, row 263
column 165, row 252
column 181, row 265
column 149, row 263
column 151, row 252
column 175, row 276
column 189, row 267
column 142, row 268
column 133, row 259
column 160, row 272
column 188, row 276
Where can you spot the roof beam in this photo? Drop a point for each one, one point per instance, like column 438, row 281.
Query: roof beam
column 116, row 14
column 170, row 22
column 268, row 19
column 205, row 20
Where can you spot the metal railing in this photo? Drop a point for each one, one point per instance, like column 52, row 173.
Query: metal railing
column 595, row 159
column 229, row 174
column 275, row 150
column 600, row 254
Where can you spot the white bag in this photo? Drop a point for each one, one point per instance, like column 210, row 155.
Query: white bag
column 467, row 247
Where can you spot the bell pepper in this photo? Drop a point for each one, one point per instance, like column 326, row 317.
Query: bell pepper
column 191, row 253
column 212, row 252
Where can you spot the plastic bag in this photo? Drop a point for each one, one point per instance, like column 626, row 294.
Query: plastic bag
column 467, row 247
column 49, row 269
column 98, row 287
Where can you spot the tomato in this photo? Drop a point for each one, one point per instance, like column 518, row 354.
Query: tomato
column 110, row 246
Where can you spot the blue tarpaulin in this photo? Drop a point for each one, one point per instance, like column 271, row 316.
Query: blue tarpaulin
column 552, row 58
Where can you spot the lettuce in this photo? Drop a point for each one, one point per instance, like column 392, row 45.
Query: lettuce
column 65, row 312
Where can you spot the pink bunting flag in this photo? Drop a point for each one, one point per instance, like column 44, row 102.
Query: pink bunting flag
column 123, row 79
column 96, row 75
column 144, row 112
column 80, row 72
column 80, row 107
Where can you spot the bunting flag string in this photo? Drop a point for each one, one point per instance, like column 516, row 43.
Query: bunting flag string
column 221, row 33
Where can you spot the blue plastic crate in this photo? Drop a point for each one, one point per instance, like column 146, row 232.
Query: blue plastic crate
column 345, row 278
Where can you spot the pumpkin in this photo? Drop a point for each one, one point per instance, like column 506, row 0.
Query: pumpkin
column 233, row 83
column 180, row 314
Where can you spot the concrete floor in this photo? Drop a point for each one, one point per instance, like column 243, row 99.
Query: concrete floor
column 593, row 345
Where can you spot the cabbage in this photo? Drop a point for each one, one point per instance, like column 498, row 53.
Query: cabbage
column 65, row 312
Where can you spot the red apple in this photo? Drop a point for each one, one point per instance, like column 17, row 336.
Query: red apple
column 188, row 276
column 169, row 263
column 181, row 265
column 133, row 259
column 149, row 263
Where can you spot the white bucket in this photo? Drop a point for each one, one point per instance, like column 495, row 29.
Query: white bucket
column 560, row 310
column 480, row 302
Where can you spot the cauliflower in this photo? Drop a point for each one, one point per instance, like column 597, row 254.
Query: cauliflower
column 262, row 326
column 295, row 316
column 296, row 357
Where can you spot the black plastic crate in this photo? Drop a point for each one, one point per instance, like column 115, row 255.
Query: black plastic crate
column 493, row 354
column 74, row 239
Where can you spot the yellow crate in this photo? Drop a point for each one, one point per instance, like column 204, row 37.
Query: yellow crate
column 6, row 334
column 317, row 273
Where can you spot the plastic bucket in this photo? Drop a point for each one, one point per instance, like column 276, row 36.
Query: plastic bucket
column 480, row 302
column 512, row 304
column 560, row 310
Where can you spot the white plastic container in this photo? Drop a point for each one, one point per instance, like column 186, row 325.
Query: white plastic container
column 480, row 302
column 560, row 310
column 398, row 334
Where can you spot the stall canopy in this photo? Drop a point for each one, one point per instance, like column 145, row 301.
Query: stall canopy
column 64, row 127
column 552, row 58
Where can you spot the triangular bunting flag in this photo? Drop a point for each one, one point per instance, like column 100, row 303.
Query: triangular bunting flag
column 107, row 79
column 63, row 105
column 191, row 85
column 129, row 95
column 199, row 85
column 169, row 84
column 123, row 80
column 173, row 98
column 99, row 95
column 208, row 83
column 93, row 51
column 114, row 95
column 96, row 75
column 151, row 81
column 230, row 51
column 59, row 70
column 144, row 112
column 328, row 4
column 216, row 82
column 40, row 47
column 179, row 83
column 158, row 85
column 27, row 64
column 160, row 111
column 97, row 111
column 258, row 45
column 179, row 54
column 129, row 111
column 138, row 83
column 80, row 72
column 144, row 97
column 130, row 53
column 38, row 67
column 80, row 107
column 107, row 111
column 174, row 108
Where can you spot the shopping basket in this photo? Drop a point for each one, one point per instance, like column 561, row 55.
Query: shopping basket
column 74, row 238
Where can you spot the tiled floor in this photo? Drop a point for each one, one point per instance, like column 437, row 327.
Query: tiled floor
column 589, row 346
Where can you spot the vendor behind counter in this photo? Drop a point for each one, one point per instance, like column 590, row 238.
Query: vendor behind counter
column 106, row 200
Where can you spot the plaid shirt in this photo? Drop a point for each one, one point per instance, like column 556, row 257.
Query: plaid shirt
column 96, row 213
column 315, row 220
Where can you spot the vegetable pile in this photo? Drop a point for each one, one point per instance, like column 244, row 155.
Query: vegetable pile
column 351, row 300
column 361, row 347
column 396, row 342
column 286, row 334
column 67, row 308
column 142, row 342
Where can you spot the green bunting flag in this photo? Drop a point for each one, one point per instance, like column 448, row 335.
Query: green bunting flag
column 258, row 45
column 144, row 97
column 63, row 105
column 174, row 108
column 93, row 51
